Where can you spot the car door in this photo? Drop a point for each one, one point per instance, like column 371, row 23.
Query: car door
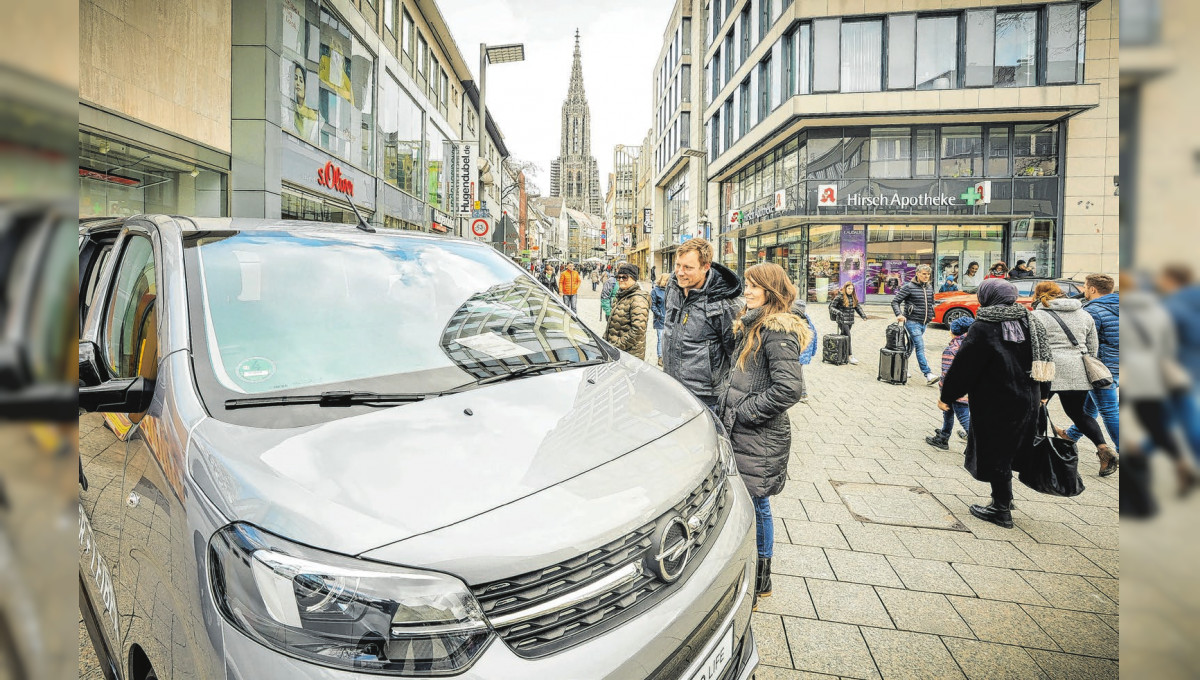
column 106, row 597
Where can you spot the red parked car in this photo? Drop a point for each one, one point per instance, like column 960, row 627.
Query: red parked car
column 950, row 306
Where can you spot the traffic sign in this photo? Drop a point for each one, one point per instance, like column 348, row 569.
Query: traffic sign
column 481, row 227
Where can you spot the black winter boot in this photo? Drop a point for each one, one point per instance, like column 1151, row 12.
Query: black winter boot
column 1000, row 515
column 762, row 578
column 939, row 440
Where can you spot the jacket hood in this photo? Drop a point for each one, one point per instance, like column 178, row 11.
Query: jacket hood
column 722, row 283
column 632, row 290
column 1064, row 305
column 790, row 323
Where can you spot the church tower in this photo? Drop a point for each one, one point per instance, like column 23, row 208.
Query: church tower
column 574, row 175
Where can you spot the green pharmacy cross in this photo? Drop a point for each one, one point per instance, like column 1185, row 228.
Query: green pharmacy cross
column 971, row 196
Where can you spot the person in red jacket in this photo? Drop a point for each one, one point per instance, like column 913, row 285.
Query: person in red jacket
column 568, row 285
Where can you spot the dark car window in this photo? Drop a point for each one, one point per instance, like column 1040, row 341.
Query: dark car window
column 283, row 311
column 1024, row 286
column 129, row 337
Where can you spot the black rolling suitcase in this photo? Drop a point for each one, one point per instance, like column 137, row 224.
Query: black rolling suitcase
column 835, row 349
column 893, row 359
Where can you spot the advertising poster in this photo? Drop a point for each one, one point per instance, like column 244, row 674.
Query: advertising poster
column 948, row 274
column 299, row 98
column 973, row 266
column 1031, row 259
column 886, row 277
column 853, row 246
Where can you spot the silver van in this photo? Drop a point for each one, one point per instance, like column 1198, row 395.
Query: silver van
column 310, row 451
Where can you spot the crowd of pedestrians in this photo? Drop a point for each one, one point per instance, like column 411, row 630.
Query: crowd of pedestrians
column 736, row 345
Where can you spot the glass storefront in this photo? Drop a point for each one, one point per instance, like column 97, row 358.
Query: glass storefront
column 296, row 204
column 117, row 179
column 894, row 251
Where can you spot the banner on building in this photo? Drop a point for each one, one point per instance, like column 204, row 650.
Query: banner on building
column 464, row 173
column 647, row 221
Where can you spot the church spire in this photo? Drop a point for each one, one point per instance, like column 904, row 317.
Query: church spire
column 575, row 92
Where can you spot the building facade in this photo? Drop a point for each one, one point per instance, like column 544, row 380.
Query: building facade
column 854, row 145
column 678, row 173
column 574, row 175
column 624, row 218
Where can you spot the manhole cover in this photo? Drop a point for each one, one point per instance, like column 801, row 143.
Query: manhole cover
column 905, row 506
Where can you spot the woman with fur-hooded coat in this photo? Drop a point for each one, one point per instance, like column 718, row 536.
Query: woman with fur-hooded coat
column 765, row 381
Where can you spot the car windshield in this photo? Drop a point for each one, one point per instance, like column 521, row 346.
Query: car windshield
column 299, row 312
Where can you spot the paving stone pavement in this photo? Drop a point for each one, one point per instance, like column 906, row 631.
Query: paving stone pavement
column 858, row 599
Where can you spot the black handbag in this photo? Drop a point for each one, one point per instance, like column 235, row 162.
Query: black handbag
column 1051, row 465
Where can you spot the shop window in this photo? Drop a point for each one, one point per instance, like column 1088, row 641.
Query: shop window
column 965, row 254
column 824, row 154
column 1016, row 49
column 856, row 153
column 1035, row 150
column 937, row 53
column 894, row 251
column 962, row 154
column 1062, row 36
column 787, row 167
column 436, row 154
column 327, row 84
column 119, row 180
column 981, row 48
column 901, row 50
column 999, row 149
column 1033, row 240
column 891, row 152
column 861, row 56
column 826, row 54
column 401, row 137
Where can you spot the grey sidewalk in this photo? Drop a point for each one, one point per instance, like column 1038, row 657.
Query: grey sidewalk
column 864, row 587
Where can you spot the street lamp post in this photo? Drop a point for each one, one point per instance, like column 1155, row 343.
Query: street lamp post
column 496, row 54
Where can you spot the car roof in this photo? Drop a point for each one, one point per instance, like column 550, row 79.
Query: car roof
column 192, row 225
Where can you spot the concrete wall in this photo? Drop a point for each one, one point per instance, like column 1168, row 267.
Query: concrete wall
column 166, row 64
column 1091, row 210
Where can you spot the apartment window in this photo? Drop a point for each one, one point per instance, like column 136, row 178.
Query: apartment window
column 1062, row 36
column 422, row 57
column 981, row 48
column 389, row 15
column 728, row 116
column 685, row 129
column 764, row 89
column 715, row 16
column 937, row 53
column 789, row 65
column 434, row 86
column 445, row 91
column 685, row 75
column 728, row 58
column 406, row 26
column 861, row 56
column 1016, row 49
column 744, row 100
column 826, row 54
column 686, row 29
column 891, row 152
column 764, row 19
column 902, row 50
column 962, row 151
column 745, row 31
column 804, row 59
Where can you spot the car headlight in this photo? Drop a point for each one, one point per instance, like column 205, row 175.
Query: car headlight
column 724, row 447
column 344, row 612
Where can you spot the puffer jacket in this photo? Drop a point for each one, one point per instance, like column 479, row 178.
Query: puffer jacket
column 754, row 407
column 914, row 302
column 627, row 324
column 845, row 315
column 1106, row 310
column 697, row 338
column 568, row 282
column 1069, row 371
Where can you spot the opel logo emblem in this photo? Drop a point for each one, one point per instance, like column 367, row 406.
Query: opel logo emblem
column 670, row 549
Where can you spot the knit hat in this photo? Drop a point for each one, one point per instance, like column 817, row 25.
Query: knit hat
column 961, row 324
column 630, row 270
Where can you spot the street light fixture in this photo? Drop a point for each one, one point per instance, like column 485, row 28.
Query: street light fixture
column 496, row 54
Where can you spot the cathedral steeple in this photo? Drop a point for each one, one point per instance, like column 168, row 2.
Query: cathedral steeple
column 574, row 174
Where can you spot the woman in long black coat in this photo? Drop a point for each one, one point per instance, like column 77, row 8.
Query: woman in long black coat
column 765, row 381
column 996, row 366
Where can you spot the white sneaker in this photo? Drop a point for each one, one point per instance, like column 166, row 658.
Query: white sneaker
column 930, row 378
column 853, row 360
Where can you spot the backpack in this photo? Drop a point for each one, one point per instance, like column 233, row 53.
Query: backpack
column 809, row 352
column 897, row 338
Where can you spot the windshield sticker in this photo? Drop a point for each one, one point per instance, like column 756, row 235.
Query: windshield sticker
column 255, row 369
column 493, row 345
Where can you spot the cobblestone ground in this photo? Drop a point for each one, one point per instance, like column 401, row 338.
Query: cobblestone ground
column 857, row 598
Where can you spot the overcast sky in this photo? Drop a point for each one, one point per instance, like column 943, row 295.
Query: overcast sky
column 619, row 41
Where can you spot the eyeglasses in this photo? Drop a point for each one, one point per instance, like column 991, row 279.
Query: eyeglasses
column 622, row 277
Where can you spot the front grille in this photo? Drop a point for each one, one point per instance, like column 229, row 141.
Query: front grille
column 562, row 628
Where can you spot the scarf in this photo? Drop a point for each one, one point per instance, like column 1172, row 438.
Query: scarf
column 1009, row 317
column 751, row 317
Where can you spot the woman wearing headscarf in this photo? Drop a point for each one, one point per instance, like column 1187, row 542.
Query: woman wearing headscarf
column 1005, row 365
column 765, row 381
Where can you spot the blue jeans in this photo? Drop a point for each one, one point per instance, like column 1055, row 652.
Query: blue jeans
column 1105, row 404
column 957, row 410
column 658, row 345
column 916, row 332
column 1185, row 412
column 764, row 527
column 713, row 404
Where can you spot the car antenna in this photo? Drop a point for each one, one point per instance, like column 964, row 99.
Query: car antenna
column 362, row 224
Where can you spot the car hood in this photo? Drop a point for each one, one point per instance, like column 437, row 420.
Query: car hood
column 949, row 298
column 368, row 480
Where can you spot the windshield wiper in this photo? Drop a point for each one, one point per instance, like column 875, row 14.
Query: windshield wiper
column 535, row 368
column 337, row 398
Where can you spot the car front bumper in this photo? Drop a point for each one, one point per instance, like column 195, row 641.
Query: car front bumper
column 636, row 649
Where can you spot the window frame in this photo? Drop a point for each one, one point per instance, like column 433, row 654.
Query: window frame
column 121, row 250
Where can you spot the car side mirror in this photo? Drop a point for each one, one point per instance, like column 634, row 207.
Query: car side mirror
column 90, row 372
column 122, row 395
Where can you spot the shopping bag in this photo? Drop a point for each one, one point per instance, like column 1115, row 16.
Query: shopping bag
column 1051, row 465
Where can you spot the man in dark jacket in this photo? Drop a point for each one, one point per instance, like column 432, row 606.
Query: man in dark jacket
column 1105, row 307
column 701, row 307
column 1021, row 271
column 913, row 306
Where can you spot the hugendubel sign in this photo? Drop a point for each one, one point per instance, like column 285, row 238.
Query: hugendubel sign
column 330, row 176
column 464, row 174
